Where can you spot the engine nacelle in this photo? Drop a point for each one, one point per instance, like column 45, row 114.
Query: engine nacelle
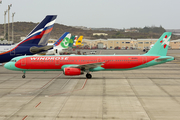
column 72, row 71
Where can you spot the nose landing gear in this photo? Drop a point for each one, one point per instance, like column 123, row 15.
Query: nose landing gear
column 23, row 76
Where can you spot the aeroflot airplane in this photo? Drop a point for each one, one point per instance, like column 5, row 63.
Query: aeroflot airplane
column 35, row 41
column 78, row 64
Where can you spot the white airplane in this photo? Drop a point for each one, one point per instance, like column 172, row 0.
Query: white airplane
column 60, row 45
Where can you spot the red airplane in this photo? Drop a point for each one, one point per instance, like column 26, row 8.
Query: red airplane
column 73, row 65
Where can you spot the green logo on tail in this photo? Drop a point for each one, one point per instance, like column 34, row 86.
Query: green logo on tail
column 65, row 42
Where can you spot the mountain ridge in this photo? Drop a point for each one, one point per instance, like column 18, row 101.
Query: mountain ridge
column 22, row 29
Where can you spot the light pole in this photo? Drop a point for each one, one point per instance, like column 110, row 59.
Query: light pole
column 12, row 27
column 8, row 21
column 5, row 24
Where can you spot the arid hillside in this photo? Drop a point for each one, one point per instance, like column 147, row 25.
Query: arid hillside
column 21, row 29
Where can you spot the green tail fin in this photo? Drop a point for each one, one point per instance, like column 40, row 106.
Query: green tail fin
column 161, row 46
column 71, row 41
column 65, row 42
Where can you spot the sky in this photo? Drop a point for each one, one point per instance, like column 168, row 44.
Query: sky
column 118, row 14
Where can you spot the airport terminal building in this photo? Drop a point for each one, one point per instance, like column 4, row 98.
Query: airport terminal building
column 126, row 43
column 119, row 43
column 123, row 43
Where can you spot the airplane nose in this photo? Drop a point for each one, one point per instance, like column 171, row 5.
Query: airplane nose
column 8, row 66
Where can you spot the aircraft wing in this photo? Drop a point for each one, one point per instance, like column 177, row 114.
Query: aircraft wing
column 88, row 66
column 161, row 59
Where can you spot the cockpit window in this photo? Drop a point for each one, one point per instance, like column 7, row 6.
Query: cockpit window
column 13, row 60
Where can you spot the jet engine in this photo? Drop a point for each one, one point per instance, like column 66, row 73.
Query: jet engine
column 72, row 71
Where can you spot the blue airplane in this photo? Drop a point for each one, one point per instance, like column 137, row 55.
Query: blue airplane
column 35, row 42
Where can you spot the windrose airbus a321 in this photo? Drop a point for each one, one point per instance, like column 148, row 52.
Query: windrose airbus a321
column 78, row 64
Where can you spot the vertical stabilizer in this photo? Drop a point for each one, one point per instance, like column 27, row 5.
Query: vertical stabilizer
column 43, row 28
column 79, row 41
column 64, row 42
column 61, row 39
column 161, row 46
column 75, row 39
column 71, row 41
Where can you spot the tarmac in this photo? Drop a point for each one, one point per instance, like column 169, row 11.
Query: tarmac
column 151, row 93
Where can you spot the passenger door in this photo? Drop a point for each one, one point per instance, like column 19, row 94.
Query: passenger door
column 57, row 62
column 23, row 62
column 99, row 60
column 144, row 59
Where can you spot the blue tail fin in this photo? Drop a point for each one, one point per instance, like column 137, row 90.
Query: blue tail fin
column 61, row 39
column 43, row 28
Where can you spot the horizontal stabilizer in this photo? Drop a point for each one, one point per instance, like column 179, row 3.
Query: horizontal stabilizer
column 39, row 49
column 162, row 59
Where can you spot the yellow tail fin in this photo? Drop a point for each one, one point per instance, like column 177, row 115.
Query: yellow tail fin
column 79, row 41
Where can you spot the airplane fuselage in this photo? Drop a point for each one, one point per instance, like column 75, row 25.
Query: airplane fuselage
column 58, row 63
column 9, row 52
column 79, row 64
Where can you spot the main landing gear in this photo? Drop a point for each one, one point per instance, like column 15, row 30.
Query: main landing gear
column 23, row 76
column 88, row 75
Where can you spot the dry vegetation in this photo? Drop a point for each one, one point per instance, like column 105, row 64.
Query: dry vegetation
column 21, row 29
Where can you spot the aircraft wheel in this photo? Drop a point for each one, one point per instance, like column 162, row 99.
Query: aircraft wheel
column 88, row 76
column 23, row 76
